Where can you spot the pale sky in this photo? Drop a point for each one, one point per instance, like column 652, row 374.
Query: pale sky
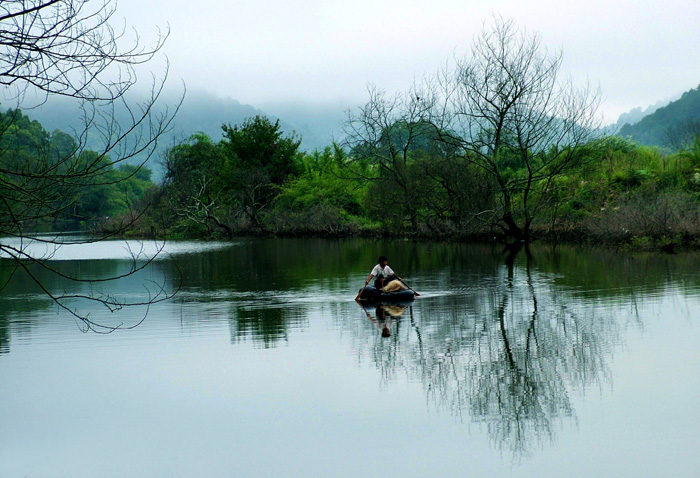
column 260, row 51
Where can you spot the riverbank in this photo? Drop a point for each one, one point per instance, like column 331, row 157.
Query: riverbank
column 595, row 234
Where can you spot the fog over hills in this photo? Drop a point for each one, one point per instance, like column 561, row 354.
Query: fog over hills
column 635, row 115
column 318, row 125
column 679, row 117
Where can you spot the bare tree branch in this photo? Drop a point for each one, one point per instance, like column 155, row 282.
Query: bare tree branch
column 70, row 48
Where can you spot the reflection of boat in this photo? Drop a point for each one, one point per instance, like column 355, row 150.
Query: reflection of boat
column 372, row 294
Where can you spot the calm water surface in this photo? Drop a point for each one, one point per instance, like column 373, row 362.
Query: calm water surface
column 566, row 362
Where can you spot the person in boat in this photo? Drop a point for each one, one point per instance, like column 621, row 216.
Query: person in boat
column 386, row 279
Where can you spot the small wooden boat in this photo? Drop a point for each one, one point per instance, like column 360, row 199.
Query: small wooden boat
column 372, row 294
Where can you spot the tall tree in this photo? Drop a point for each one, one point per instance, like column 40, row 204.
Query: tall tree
column 69, row 48
column 486, row 138
column 507, row 109
column 259, row 159
column 230, row 185
column 193, row 187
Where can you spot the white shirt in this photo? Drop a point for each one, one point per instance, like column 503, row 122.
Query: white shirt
column 379, row 272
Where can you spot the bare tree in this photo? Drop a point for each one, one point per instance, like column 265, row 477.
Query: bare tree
column 487, row 137
column 385, row 134
column 70, row 48
column 509, row 112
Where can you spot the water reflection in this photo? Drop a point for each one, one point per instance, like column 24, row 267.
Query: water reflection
column 501, row 338
column 265, row 326
column 507, row 356
column 385, row 316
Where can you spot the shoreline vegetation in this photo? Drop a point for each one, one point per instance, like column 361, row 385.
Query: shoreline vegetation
column 495, row 147
column 680, row 242
column 633, row 197
column 256, row 182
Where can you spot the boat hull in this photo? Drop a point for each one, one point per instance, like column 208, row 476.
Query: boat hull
column 372, row 294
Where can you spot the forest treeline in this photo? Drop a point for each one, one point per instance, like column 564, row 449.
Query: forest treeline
column 256, row 180
column 495, row 146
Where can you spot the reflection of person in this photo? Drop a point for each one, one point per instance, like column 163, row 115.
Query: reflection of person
column 383, row 322
column 385, row 278
column 385, row 317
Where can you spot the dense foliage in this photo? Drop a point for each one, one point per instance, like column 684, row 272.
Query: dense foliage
column 41, row 189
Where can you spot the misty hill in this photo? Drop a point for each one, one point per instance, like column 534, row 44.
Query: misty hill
column 199, row 112
column 635, row 115
column 316, row 125
column 653, row 129
column 206, row 113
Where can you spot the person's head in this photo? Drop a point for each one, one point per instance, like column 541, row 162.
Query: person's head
column 386, row 332
column 382, row 260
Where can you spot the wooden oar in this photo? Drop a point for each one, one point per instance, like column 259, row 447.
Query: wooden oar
column 357, row 299
column 409, row 287
column 369, row 316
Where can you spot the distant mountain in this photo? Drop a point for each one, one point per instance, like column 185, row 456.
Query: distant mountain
column 655, row 129
column 635, row 115
column 204, row 112
column 317, row 125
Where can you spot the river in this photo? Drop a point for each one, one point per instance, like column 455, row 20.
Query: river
column 524, row 363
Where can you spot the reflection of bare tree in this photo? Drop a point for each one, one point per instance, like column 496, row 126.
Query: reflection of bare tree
column 510, row 355
column 518, row 392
